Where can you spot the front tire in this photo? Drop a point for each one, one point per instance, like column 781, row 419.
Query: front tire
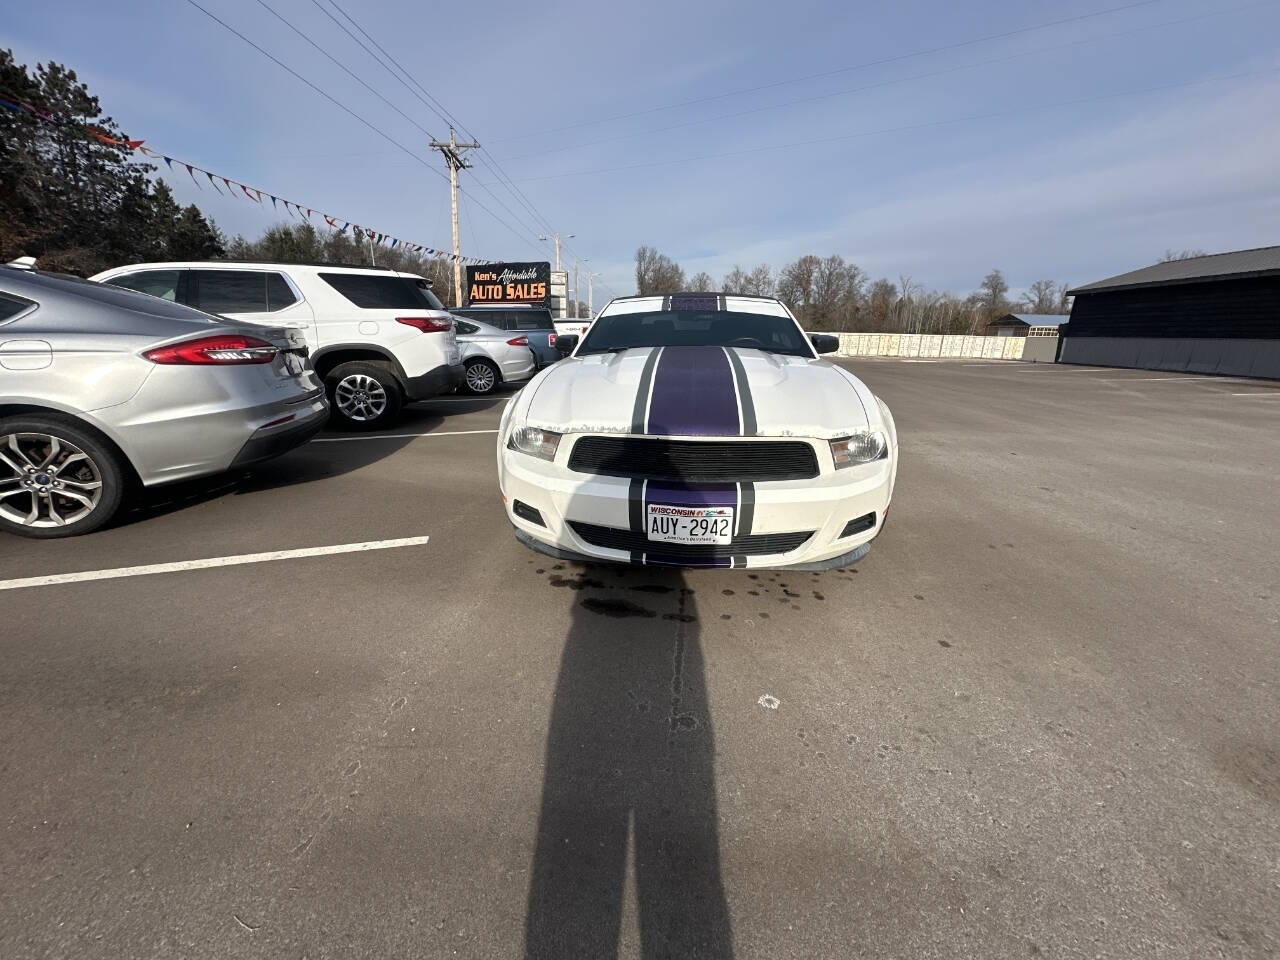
column 56, row 479
column 482, row 377
column 363, row 396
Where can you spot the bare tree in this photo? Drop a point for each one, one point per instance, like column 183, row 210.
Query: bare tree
column 701, row 282
column 656, row 273
column 880, row 300
column 991, row 298
column 757, row 283
column 735, row 281
column 796, row 285
column 760, row 281
column 1045, row 296
column 1171, row 255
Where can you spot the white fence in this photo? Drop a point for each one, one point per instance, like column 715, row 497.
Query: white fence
column 930, row 345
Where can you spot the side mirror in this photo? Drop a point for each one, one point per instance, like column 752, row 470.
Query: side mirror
column 825, row 342
column 565, row 343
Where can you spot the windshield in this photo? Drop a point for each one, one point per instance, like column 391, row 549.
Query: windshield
column 696, row 328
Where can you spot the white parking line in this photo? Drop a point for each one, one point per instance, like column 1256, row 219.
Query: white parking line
column 1156, row 379
column 465, row 399
column 1259, row 393
column 397, row 436
column 209, row 563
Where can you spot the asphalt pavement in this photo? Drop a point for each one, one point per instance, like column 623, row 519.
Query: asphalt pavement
column 1040, row 719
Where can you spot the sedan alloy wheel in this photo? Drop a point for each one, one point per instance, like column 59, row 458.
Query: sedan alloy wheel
column 46, row 481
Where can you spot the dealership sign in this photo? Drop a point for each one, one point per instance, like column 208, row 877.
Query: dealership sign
column 509, row 283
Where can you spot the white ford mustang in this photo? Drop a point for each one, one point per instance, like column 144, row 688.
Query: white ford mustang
column 698, row 430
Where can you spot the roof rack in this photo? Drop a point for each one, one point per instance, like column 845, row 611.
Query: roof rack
column 293, row 263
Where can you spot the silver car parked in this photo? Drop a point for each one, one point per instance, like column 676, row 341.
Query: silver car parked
column 491, row 356
column 101, row 388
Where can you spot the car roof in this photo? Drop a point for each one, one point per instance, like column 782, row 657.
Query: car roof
column 261, row 265
column 698, row 293
column 43, row 287
column 724, row 301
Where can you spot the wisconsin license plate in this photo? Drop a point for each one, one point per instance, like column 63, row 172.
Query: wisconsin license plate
column 706, row 525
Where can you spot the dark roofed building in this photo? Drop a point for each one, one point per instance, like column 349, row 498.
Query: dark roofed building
column 1017, row 324
column 1212, row 314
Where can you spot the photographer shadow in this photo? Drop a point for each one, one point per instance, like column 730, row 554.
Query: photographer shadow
column 629, row 769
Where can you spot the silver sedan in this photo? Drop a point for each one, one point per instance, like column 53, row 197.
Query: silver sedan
column 102, row 387
column 491, row 356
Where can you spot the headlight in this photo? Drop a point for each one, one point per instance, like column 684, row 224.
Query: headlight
column 860, row 448
column 534, row 442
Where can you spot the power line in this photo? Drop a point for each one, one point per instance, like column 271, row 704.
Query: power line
column 344, row 68
column 284, row 66
column 439, row 109
column 405, row 79
column 914, row 126
column 888, row 83
column 430, row 103
column 846, row 69
column 386, row 136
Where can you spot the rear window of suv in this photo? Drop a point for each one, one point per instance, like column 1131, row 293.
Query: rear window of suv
column 372, row 292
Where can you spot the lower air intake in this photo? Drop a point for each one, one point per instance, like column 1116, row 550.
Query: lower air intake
column 755, row 545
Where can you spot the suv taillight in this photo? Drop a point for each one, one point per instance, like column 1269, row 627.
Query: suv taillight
column 518, row 342
column 427, row 324
column 214, row 350
column 551, row 339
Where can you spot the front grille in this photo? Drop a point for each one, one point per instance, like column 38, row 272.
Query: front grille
column 692, row 461
column 754, row 545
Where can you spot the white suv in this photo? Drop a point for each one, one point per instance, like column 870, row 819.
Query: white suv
column 378, row 338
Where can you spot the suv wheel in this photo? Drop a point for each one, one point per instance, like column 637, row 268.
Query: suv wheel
column 482, row 376
column 363, row 395
column 56, row 480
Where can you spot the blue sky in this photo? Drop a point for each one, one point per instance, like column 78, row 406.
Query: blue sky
column 1072, row 152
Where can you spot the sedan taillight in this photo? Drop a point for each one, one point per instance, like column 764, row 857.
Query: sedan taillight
column 217, row 350
column 427, row 324
column 518, row 342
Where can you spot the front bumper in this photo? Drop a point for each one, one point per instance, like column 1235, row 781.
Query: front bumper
column 574, row 506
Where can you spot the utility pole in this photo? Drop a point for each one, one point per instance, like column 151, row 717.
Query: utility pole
column 453, row 157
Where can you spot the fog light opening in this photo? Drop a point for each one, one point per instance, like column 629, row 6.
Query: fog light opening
column 526, row 512
column 859, row 525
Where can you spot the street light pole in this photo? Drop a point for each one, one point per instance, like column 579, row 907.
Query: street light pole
column 556, row 237
column 591, row 306
column 575, row 286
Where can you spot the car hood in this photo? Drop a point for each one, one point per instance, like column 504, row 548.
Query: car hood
column 698, row 391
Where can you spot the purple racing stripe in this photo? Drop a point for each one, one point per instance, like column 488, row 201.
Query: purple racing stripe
column 693, row 395
column 691, row 494
column 686, row 495
column 704, row 301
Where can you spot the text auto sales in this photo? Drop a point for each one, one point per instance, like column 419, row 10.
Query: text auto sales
column 507, row 285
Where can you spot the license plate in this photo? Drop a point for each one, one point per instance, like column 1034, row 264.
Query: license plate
column 672, row 524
